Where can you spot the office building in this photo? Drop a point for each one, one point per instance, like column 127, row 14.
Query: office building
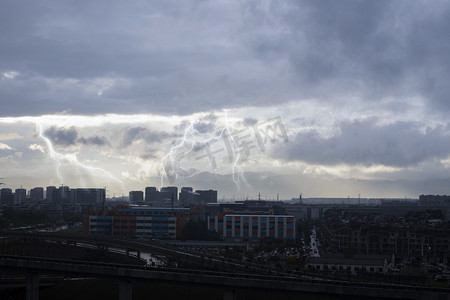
column 136, row 197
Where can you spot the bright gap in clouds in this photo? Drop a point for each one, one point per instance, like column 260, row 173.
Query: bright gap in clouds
column 11, row 74
column 131, row 149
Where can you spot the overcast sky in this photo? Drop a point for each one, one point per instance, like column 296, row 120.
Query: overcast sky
column 129, row 94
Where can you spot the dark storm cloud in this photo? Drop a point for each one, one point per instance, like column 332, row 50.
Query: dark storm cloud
column 250, row 121
column 140, row 133
column 69, row 137
column 96, row 140
column 76, row 40
column 167, row 57
column 206, row 124
column 130, row 135
column 204, row 127
column 364, row 142
column 62, row 136
column 367, row 48
column 161, row 54
column 148, row 156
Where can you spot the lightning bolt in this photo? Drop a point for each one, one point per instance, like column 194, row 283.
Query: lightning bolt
column 235, row 164
column 171, row 166
column 72, row 159
column 171, row 162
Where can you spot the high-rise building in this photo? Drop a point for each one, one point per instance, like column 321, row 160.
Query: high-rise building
column 6, row 196
column 169, row 193
column 207, row 196
column 20, row 195
column 151, row 194
column 37, row 194
column 63, row 194
column 136, row 197
column 87, row 196
column 187, row 196
column 51, row 193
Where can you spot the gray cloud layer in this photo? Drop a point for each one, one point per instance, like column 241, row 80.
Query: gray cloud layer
column 364, row 142
column 67, row 137
column 202, row 55
column 133, row 134
column 373, row 49
column 356, row 61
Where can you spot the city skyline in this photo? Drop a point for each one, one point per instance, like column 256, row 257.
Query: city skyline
column 326, row 99
column 222, row 196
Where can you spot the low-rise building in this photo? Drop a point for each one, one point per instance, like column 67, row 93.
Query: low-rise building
column 140, row 221
column 372, row 264
column 252, row 227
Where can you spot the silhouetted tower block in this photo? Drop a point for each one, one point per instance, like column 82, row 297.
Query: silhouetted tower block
column 136, row 197
column 151, row 194
column 37, row 194
column 169, row 193
column 20, row 195
column 207, row 196
column 6, row 196
column 188, row 196
column 51, row 194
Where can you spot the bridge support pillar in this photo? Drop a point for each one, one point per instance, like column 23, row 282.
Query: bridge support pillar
column 229, row 294
column 138, row 254
column 127, row 251
column 32, row 286
column 125, row 290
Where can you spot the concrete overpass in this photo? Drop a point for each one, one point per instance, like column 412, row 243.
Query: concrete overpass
column 189, row 258
column 229, row 282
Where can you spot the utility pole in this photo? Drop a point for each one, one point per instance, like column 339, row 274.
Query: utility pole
column 63, row 196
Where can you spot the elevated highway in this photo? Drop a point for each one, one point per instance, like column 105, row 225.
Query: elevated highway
column 229, row 282
column 233, row 276
column 187, row 257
